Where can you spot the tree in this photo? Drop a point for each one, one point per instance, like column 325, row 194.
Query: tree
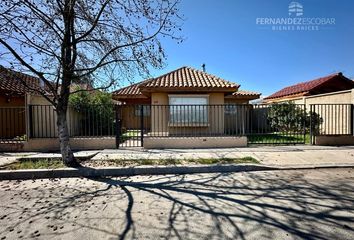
column 66, row 41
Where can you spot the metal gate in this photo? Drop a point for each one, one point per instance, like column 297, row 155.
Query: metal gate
column 286, row 123
column 133, row 122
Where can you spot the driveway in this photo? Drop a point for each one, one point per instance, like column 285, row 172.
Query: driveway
column 311, row 204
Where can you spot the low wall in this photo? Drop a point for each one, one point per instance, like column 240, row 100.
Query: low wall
column 52, row 144
column 194, row 142
column 335, row 140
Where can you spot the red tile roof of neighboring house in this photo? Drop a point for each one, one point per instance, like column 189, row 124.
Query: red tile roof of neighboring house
column 304, row 87
column 9, row 81
column 184, row 78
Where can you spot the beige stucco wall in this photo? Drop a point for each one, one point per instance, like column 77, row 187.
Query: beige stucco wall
column 196, row 142
column 336, row 118
column 160, row 117
column 236, row 101
column 340, row 97
column 52, row 144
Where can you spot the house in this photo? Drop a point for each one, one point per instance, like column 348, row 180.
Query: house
column 335, row 88
column 28, row 120
column 184, row 102
column 185, row 81
column 330, row 97
column 13, row 102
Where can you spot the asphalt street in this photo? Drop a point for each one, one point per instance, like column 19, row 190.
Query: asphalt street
column 308, row 204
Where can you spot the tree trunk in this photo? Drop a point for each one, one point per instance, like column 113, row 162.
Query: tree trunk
column 63, row 132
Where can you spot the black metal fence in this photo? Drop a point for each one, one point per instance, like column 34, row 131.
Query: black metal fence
column 282, row 123
column 130, row 124
column 98, row 121
column 279, row 124
column 331, row 119
column 12, row 124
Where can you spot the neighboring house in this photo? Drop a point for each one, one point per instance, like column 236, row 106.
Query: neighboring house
column 19, row 99
column 330, row 98
column 13, row 101
column 184, row 102
column 335, row 88
column 12, row 91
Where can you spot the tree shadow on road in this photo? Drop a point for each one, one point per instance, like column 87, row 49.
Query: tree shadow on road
column 223, row 206
column 264, row 205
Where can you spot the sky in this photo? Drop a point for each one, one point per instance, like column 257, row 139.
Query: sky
column 224, row 35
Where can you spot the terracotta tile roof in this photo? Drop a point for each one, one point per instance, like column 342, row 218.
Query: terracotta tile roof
column 303, row 87
column 187, row 77
column 245, row 93
column 184, row 78
column 242, row 94
column 9, row 81
column 130, row 91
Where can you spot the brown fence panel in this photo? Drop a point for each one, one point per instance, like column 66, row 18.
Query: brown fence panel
column 12, row 124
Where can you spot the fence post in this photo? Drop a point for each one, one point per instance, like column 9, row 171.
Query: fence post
column 30, row 120
column 311, row 127
column 304, row 123
column 118, row 126
column 142, row 125
column 352, row 119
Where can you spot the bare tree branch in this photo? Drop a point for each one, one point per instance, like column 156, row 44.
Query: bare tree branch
column 40, row 75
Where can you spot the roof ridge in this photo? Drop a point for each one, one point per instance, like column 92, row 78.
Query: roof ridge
column 211, row 75
column 183, row 78
column 304, row 86
column 316, row 79
column 12, row 71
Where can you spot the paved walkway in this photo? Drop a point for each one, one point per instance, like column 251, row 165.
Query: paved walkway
column 274, row 155
column 270, row 155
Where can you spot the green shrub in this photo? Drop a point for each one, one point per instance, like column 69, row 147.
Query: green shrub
column 97, row 111
column 289, row 117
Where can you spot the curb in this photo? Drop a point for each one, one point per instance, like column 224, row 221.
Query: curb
column 157, row 170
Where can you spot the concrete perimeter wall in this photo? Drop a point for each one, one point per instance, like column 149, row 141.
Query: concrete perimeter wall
column 52, row 144
column 197, row 142
column 335, row 140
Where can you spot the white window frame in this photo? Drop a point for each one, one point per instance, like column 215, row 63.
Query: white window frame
column 174, row 123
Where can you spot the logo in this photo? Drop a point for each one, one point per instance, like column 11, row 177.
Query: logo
column 295, row 21
column 296, row 9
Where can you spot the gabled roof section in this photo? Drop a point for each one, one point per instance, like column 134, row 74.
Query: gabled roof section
column 181, row 79
column 305, row 88
column 131, row 91
column 189, row 78
column 10, row 81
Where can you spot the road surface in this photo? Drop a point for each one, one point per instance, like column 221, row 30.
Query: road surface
column 310, row 204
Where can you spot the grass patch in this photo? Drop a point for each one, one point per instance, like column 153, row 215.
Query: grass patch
column 36, row 164
column 129, row 134
column 278, row 138
column 57, row 162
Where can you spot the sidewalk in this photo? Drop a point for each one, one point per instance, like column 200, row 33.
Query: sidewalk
column 267, row 155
